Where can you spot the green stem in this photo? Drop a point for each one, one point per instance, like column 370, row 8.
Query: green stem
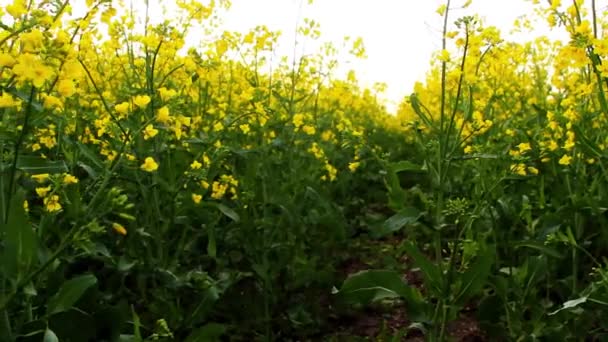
column 62, row 246
column 18, row 143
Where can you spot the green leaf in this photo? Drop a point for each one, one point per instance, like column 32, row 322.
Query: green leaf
column 49, row 336
column 124, row 264
column 370, row 286
column 92, row 157
column 406, row 165
column 396, row 194
column 417, row 106
column 587, row 145
column 136, row 325
column 431, row 273
column 404, row 217
column 570, row 304
column 539, row 247
column 89, row 170
column 36, row 165
column 208, row 333
column 229, row 212
column 69, row 293
column 25, row 97
column 473, row 280
column 20, row 240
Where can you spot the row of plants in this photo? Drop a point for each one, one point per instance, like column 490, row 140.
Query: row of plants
column 509, row 217
column 150, row 191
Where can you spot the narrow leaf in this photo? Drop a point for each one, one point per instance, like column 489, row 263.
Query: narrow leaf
column 370, row 286
column 69, row 293
column 209, row 333
column 404, row 217
column 36, row 164
column 49, row 336
column 473, row 280
column 431, row 272
column 570, row 304
column 20, row 240
column 539, row 247
column 229, row 212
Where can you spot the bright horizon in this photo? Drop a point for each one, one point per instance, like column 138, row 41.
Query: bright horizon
column 400, row 36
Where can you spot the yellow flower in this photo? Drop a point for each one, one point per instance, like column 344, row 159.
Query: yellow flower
column 553, row 145
column 162, row 115
column 218, row 127
column 6, row 100
column 122, row 108
column 308, row 129
column 69, row 179
column 245, row 128
column 519, row 169
column 26, row 206
column 532, row 170
column 40, row 178
column 219, row 190
column 444, row 56
column 6, row 60
column 514, row 153
column 150, row 132
column 353, row 166
column 119, row 228
column 166, row 94
column 196, row 165
column 149, row 165
column 196, row 198
column 52, row 203
column 141, row 101
column 565, row 160
column 331, row 171
column 441, row 10
column 523, row 147
column 66, row 88
column 298, row 120
column 17, row 9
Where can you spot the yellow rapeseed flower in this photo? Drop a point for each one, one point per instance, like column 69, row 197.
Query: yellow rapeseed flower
column 162, row 115
column 196, row 165
column 69, row 179
column 523, row 147
column 141, row 101
column 565, row 160
column 150, row 132
column 245, row 128
column 40, row 178
column 532, row 170
column 6, row 100
column 119, row 228
column 42, row 192
column 52, row 204
column 149, row 165
column 66, row 88
column 196, row 198
column 122, row 108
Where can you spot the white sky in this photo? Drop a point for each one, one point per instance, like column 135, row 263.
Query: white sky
column 399, row 35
